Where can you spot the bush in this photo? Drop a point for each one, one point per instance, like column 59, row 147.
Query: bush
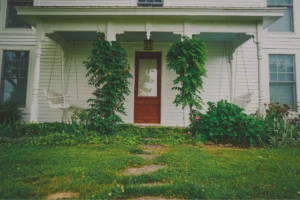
column 281, row 126
column 10, row 113
column 227, row 123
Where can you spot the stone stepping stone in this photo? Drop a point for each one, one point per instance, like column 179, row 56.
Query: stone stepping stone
column 143, row 170
column 62, row 195
column 154, row 148
column 147, row 156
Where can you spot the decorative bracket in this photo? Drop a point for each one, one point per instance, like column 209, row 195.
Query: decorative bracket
column 148, row 29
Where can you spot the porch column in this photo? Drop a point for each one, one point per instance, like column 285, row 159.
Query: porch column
column 34, row 110
column 187, row 31
column 261, row 92
column 230, row 59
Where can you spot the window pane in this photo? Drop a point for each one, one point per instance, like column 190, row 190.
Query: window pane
column 12, row 19
column 273, row 76
column 273, row 68
column 284, row 23
column 281, row 77
column 147, row 80
column 15, row 89
column 283, row 93
column 281, row 68
column 290, row 77
column 14, row 77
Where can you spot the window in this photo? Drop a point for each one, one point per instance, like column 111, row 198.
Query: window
column 286, row 22
column 282, row 79
column 150, row 2
column 14, row 77
column 12, row 19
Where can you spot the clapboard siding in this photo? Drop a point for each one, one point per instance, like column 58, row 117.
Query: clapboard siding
column 84, row 3
column 219, row 3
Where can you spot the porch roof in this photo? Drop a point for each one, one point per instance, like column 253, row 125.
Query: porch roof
column 267, row 15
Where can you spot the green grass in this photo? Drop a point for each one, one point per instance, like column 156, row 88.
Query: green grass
column 192, row 172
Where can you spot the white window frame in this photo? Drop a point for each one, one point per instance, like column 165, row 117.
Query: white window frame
column 266, row 74
column 31, row 64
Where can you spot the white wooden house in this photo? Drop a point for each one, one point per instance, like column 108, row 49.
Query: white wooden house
column 253, row 48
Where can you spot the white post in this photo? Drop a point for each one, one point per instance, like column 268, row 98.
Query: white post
column 34, row 110
column 230, row 58
column 261, row 93
column 110, row 32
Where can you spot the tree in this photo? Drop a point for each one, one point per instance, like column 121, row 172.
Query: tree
column 187, row 58
column 108, row 71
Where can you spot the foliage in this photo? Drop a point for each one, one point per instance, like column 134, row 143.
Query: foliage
column 227, row 123
column 10, row 113
column 108, row 72
column 283, row 134
column 71, row 134
column 277, row 111
column 95, row 171
column 187, row 58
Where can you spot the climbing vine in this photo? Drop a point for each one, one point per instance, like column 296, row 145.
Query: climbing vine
column 187, row 58
column 108, row 71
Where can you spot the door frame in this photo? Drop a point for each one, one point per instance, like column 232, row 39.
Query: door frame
column 147, row 55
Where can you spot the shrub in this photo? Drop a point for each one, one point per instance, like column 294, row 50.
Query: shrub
column 33, row 129
column 10, row 113
column 108, row 72
column 227, row 123
column 187, row 58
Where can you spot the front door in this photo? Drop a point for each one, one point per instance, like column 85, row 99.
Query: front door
column 147, row 87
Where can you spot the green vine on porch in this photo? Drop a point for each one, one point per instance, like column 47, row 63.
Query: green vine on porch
column 108, row 72
column 187, row 58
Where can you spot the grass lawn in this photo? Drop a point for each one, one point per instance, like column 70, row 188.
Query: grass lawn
column 191, row 172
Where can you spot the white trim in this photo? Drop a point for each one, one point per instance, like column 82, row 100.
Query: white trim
column 297, row 72
column 30, row 68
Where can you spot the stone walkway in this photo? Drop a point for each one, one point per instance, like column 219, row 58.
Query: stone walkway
column 154, row 151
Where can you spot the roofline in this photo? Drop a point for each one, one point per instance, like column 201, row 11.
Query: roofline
column 150, row 11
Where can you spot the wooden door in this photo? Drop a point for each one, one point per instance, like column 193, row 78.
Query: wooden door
column 147, row 97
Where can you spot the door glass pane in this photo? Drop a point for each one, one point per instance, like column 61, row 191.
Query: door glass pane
column 147, row 78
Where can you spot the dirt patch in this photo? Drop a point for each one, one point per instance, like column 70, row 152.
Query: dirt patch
column 152, row 198
column 143, row 170
column 147, row 156
column 153, row 148
column 62, row 195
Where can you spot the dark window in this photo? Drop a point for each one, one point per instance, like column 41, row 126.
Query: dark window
column 285, row 23
column 14, row 77
column 150, row 2
column 282, row 79
column 12, row 19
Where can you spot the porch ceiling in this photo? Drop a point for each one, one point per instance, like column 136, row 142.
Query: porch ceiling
column 163, row 37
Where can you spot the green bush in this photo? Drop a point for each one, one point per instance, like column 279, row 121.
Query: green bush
column 10, row 113
column 227, row 123
column 281, row 130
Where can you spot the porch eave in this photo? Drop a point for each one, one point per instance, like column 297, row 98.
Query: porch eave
column 267, row 15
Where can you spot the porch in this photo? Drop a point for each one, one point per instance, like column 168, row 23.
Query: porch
column 232, row 69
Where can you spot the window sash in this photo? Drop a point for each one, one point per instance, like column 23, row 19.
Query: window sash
column 282, row 91
column 14, row 85
column 275, row 26
column 11, row 14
